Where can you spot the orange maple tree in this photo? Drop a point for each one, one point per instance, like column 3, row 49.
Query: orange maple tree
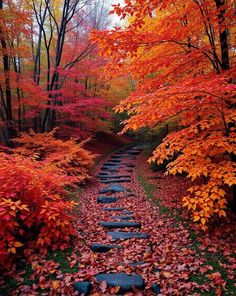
column 182, row 54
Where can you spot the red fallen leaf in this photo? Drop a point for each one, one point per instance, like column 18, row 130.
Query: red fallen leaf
column 72, row 263
column 67, row 279
column 217, row 279
column 103, row 286
column 205, row 268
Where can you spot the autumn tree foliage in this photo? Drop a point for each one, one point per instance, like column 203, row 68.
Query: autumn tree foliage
column 182, row 53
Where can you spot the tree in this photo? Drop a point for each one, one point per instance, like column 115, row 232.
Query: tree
column 182, row 53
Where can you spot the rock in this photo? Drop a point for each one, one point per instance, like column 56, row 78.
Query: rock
column 116, row 235
column 123, row 280
column 156, row 269
column 119, row 224
column 107, row 199
column 113, row 209
column 113, row 189
column 114, row 161
column 156, row 289
column 103, row 173
column 133, row 152
column 116, row 156
column 123, row 217
column 127, row 213
column 134, row 264
column 114, row 165
column 115, row 181
column 99, row 248
column 84, row 288
column 113, row 177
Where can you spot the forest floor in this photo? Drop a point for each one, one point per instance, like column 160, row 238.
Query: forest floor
column 177, row 257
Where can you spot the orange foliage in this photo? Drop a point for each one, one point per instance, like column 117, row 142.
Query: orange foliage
column 68, row 156
column 183, row 56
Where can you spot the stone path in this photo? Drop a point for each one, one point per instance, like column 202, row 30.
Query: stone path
column 115, row 177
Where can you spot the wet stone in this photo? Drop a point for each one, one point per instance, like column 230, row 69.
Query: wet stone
column 134, row 264
column 123, row 280
column 115, row 181
column 103, row 173
column 99, row 248
column 114, row 209
column 123, row 217
column 84, row 288
column 114, row 177
column 107, row 164
column 116, row 235
column 127, row 213
column 119, row 224
column 156, row 289
column 107, row 199
column 113, row 189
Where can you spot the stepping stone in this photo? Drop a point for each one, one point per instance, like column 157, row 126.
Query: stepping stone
column 114, row 161
column 84, row 288
column 114, row 165
column 156, row 289
column 127, row 213
column 103, row 174
column 123, row 217
column 113, row 189
column 133, row 152
column 116, row 235
column 99, row 248
column 116, row 156
column 114, row 209
column 115, row 181
column 119, row 224
column 114, row 177
column 134, row 264
column 107, row 199
column 123, row 280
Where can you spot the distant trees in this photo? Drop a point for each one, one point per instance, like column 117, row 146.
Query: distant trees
column 47, row 61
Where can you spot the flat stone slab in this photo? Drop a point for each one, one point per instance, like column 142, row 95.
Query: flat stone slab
column 123, row 217
column 107, row 199
column 114, row 165
column 134, row 264
column 119, row 224
column 114, row 161
column 114, row 209
column 116, row 235
column 83, row 288
column 100, row 248
column 103, row 174
column 123, row 280
column 113, row 189
column 115, row 181
column 127, row 213
column 113, row 177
